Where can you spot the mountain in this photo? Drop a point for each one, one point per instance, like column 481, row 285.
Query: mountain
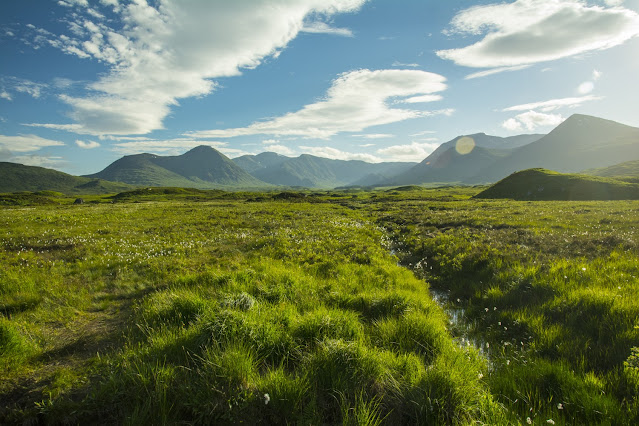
column 451, row 161
column 316, row 172
column 202, row 167
column 627, row 171
column 541, row 184
column 17, row 177
column 252, row 163
column 579, row 143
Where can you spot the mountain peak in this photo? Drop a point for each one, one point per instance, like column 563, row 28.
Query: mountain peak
column 202, row 149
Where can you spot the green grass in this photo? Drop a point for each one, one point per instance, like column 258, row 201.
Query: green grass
column 162, row 312
column 547, row 289
column 249, row 307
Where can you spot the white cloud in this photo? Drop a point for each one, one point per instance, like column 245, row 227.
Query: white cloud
column 512, row 124
column 375, row 136
column 271, row 142
column 531, row 31
column 404, row 65
column 531, row 120
column 413, row 152
column 26, row 143
column 493, row 71
column 367, row 145
column 355, row 101
column 424, row 133
column 423, row 99
column 336, row 154
column 553, row 104
column 172, row 51
column 20, row 85
column 281, row 149
column 319, row 27
column 87, row 145
column 38, row 160
column 586, row 87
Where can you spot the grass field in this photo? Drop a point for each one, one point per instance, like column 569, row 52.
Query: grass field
column 207, row 307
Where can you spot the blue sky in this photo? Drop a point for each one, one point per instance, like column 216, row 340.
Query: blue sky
column 84, row 82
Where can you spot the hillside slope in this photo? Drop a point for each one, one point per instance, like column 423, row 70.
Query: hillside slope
column 17, row 177
column 627, row 171
column 541, row 184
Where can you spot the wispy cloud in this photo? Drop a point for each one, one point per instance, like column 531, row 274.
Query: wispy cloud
column 531, row 120
column 405, row 65
column 26, row 143
column 172, row 51
column 375, row 136
column 414, row 151
column 319, row 27
column 356, row 101
column 531, row 31
column 87, row 145
column 336, row 154
column 12, row 85
column 494, row 71
column 554, row 104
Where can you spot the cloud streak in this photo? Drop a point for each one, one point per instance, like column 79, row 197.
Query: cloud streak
column 355, row 101
column 554, row 104
column 26, row 143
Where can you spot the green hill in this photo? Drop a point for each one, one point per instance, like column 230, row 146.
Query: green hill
column 202, row 167
column 17, row 177
column 541, row 184
column 627, row 171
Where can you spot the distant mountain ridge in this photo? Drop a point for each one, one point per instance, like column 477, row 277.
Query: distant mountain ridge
column 579, row 143
column 446, row 164
column 202, row 167
column 317, row 172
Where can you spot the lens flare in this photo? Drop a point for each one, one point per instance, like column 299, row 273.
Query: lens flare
column 465, row 145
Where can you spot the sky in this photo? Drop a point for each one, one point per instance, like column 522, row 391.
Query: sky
column 85, row 82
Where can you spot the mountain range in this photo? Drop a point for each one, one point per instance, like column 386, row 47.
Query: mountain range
column 580, row 142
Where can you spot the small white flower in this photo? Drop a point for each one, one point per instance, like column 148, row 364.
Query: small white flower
column 507, row 362
column 480, row 375
column 583, row 269
column 550, row 421
column 486, row 309
column 560, row 406
column 528, row 420
column 267, row 398
column 499, row 323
